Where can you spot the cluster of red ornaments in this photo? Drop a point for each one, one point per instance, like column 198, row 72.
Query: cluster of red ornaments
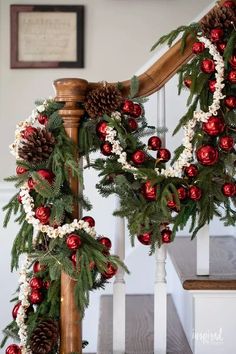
column 146, row 237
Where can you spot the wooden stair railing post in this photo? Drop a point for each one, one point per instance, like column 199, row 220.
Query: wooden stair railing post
column 72, row 92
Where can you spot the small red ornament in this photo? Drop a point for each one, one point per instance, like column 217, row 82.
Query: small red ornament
column 105, row 241
column 145, row 238
column 171, row 204
column 229, row 4
column 13, row 349
column 229, row 189
column 111, row 270
column 195, row 193
column 166, row 236
column 36, row 283
column 16, row 309
column 21, row 170
column 31, row 183
column 232, row 60
column 216, row 34
column 28, row 132
column 73, row 258
column 164, row 155
column 230, row 102
column 101, row 128
column 198, row 47
column 154, row 143
column 137, row 111
column 182, row 193
column 138, row 157
column 132, row 124
column 208, row 66
column 73, row 242
column 149, row 191
column 106, row 148
column 42, row 213
column 36, row 297
column 221, row 47
column 188, row 82
column 128, row 107
column 47, row 175
column 207, row 155
column 212, row 85
column 37, row 267
column 19, row 198
column 226, row 143
column 43, row 119
column 191, row 170
column 232, row 76
column 89, row 220
column 46, row 284
column 214, row 126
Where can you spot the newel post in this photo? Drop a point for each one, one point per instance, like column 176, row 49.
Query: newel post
column 71, row 92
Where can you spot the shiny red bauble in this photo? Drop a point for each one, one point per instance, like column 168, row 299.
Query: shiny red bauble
column 164, row 155
column 137, row 111
column 132, row 124
column 221, row 47
column 36, row 297
column 145, row 238
column 36, row 283
column 230, row 102
column 101, row 128
column 198, row 47
column 191, row 170
column 128, row 107
column 16, row 309
column 208, row 66
column 195, row 193
column 31, row 183
column 149, row 191
column 37, row 267
column 230, row 4
column 43, row 119
column 89, row 220
column 19, row 198
column 154, row 143
column 13, row 349
column 212, row 85
column 47, row 175
column 216, row 34
column 138, row 157
column 111, row 270
column 232, row 76
column 28, row 132
column 188, row 82
column 232, row 60
column 46, row 284
column 213, row 126
column 229, row 189
column 166, row 235
column 207, row 155
column 226, row 143
column 106, row 149
column 42, row 213
column 182, row 193
column 105, row 241
column 171, row 204
column 73, row 242
column 21, row 170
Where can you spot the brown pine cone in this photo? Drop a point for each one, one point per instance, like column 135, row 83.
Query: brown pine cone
column 221, row 17
column 37, row 147
column 44, row 337
column 103, row 100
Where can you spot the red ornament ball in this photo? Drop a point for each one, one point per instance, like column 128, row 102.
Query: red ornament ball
column 226, row 143
column 182, row 193
column 208, row 66
column 212, row 85
column 166, row 235
column 145, row 238
column 214, row 126
column 164, row 155
column 232, row 60
column 101, row 128
column 232, row 76
column 171, row 204
column 229, row 189
column 105, row 241
column 31, row 183
column 198, row 47
column 230, row 102
column 43, row 119
column 132, row 124
column 195, row 193
column 16, row 309
column 106, row 149
column 149, row 191
column 188, row 82
column 37, row 267
column 191, row 170
column 73, row 242
column 137, row 111
column 46, row 284
column 19, row 198
column 207, row 155
column 128, row 107
column 111, row 270
column 221, row 47
column 42, row 213
column 36, row 297
column 47, row 175
column 89, row 220
column 154, row 143
column 138, row 157
column 36, row 283
column 230, row 4
column 13, row 349
column 21, row 170
column 216, row 34
column 28, row 132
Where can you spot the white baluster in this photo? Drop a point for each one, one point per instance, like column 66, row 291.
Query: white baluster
column 160, row 302
column 119, row 289
column 203, row 251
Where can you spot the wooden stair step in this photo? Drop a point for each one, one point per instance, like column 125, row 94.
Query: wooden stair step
column 139, row 326
column 222, row 263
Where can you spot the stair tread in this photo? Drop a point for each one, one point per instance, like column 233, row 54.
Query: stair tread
column 139, row 326
column 222, row 263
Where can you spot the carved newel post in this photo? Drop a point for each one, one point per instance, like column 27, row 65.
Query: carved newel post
column 71, row 92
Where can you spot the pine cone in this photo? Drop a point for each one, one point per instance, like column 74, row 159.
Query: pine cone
column 103, row 100
column 221, row 17
column 44, row 337
column 38, row 146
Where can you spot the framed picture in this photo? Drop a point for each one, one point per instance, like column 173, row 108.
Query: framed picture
column 47, row 36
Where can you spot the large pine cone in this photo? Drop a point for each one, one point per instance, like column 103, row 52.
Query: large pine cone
column 44, row 337
column 37, row 147
column 103, row 100
column 221, row 17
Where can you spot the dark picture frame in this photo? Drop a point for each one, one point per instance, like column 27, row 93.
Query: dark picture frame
column 47, row 36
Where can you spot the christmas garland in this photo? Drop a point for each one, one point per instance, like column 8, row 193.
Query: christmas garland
column 198, row 185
